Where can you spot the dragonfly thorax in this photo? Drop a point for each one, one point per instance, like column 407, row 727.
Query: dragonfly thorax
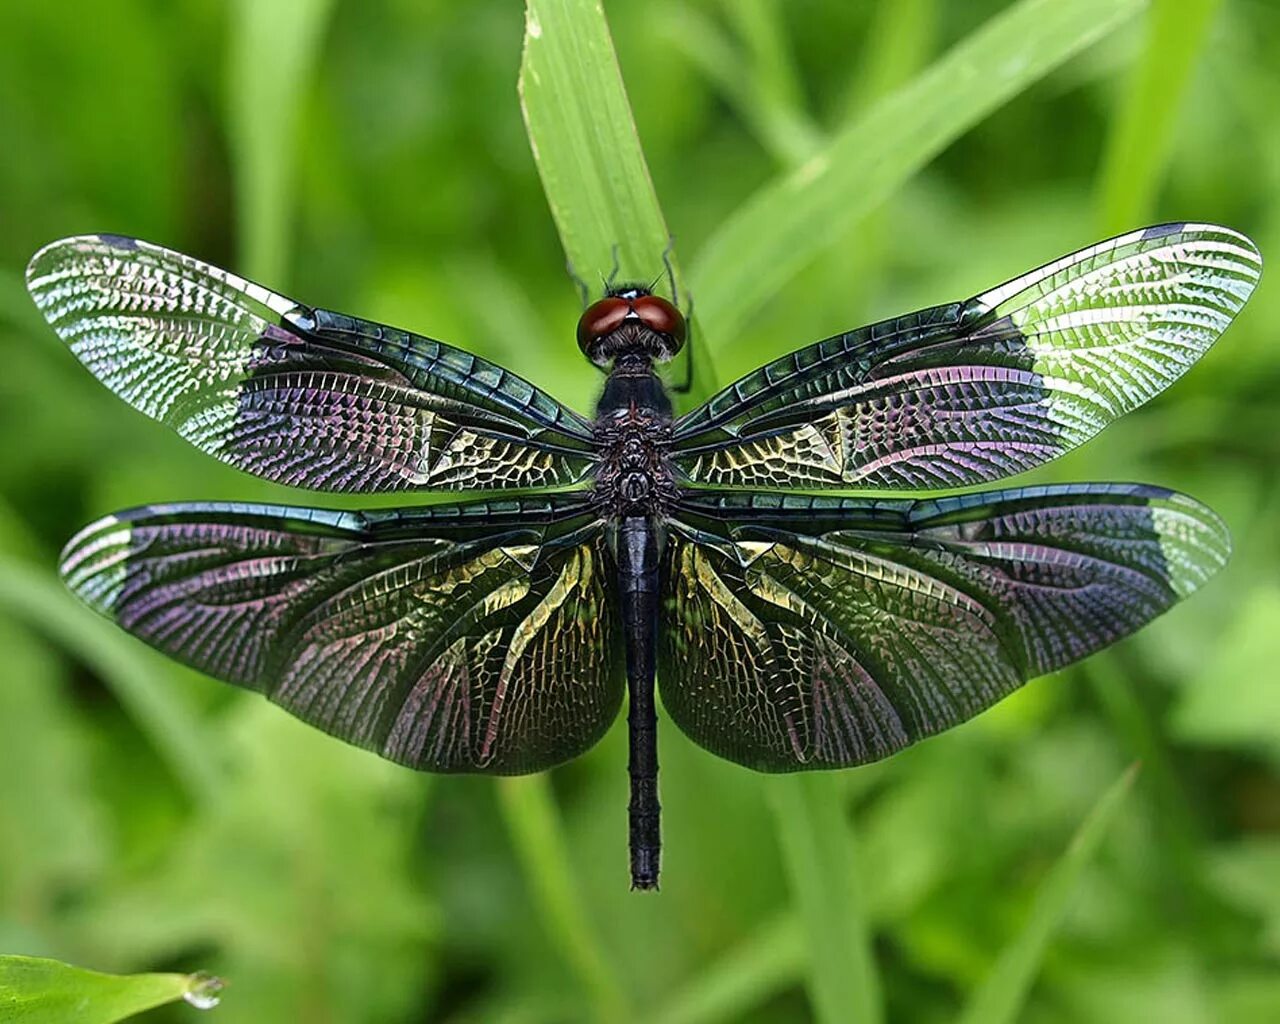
column 634, row 427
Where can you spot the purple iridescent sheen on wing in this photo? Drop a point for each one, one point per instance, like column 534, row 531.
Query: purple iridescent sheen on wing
column 429, row 636
column 297, row 395
column 971, row 392
column 809, row 632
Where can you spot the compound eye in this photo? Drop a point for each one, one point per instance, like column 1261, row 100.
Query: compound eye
column 660, row 315
column 599, row 319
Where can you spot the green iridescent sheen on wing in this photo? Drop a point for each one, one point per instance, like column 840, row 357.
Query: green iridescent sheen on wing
column 809, row 632
column 480, row 637
column 970, row 392
column 301, row 396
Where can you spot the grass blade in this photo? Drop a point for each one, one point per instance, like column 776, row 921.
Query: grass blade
column 1000, row 998
column 773, row 83
column 777, row 120
column 119, row 661
column 818, row 850
column 784, row 225
column 760, row 25
column 531, row 815
column 588, row 153
column 1142, row 134
column 34, row 990
column 898, row 44
column 584, row 141
column 274, row 47
column 768, row 961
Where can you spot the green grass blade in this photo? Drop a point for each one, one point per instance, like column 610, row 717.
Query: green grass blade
column 774, row 82
column 584, row 141
column 784, row 225
column 132, row 674
column 34, row 990
column 759, row 24
column 588, row 153
column 1179, row 874
column 818, row 850
column 274, row 47
column 768, row 961
column 1000, row 997
column 781, row 126
column 1142, row 134
column 898, row 44
column 531, row 815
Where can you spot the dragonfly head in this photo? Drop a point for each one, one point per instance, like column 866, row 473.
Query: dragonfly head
column 631, row 319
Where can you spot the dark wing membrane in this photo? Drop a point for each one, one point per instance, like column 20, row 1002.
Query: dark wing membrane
column 817, row 632
column 974, row 391
column 480, row 637
column 298, row 395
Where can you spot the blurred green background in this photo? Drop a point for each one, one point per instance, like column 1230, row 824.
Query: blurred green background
column 371, row 157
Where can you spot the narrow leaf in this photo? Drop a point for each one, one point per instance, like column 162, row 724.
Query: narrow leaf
column 781, row 126
column 784, row 225
column 534, row 822
column 125, row 666
column 898, row 44
column 1142, row 135
column 1232, row 701
column 1001, row 997
column 772, row 81
column 818, row 850
column 34, row 990
column 767, row 962
column 274, row 48
column 584, row 141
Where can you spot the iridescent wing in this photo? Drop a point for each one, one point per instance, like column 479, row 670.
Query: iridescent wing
column 479, row 637
column 811, row 632
column 973, row 391
column 298, row 395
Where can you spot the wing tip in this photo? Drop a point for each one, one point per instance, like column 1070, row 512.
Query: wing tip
column 94, row 563
column 1194, row 540
column 79, row 243
column 1194, row 227
column 40, row 264
column 1245, row 247
column 42, row 271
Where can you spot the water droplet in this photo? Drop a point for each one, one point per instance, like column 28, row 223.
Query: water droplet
column 203, row 990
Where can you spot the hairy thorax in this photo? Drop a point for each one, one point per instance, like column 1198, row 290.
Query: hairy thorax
column 634, row 476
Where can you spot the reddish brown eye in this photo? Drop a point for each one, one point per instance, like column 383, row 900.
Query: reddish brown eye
column 599, row 319
column 659, row 315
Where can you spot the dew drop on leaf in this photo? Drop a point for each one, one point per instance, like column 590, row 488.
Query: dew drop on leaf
column 203, row 991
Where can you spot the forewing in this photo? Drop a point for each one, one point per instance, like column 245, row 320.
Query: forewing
column 298, row 395
column 475, row 638
column 974, row 391
column 815, row 632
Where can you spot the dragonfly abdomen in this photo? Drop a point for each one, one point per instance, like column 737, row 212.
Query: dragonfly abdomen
column 638, row 583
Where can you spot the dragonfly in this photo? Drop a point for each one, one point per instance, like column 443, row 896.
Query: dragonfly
column 700, row 555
